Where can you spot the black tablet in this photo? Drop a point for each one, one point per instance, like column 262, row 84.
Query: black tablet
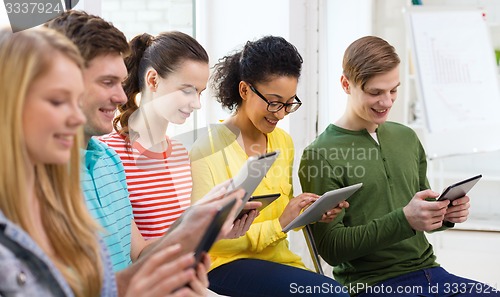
column 264, row 199
column 213, row 230
column 459, row 189
column 251, row 174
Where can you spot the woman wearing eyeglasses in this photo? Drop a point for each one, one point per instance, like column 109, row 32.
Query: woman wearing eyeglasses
column 258, row 84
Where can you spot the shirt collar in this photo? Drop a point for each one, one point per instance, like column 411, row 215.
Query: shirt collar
column 93, row 152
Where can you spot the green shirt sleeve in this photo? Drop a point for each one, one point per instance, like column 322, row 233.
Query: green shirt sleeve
column 338, row 243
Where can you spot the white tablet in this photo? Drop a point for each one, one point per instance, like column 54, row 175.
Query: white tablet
column 324, row 203
column 251, row 174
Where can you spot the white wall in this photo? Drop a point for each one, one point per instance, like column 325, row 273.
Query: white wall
column 346, row 22
column 225, row 25
column 4, row 18
column 91, row 6
column 152, row 16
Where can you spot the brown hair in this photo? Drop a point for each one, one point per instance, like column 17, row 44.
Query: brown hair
column 91, row 34
column 367, row 57
column 165, row 53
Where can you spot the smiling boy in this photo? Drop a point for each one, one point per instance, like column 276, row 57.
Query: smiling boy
column 379, row 241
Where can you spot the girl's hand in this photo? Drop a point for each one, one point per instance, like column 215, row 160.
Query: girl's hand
column 295, row 207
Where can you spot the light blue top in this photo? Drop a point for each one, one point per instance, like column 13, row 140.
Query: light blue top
column 25, row 270
column 105, row 188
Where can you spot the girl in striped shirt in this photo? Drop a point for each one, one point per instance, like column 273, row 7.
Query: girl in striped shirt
column 168, row 72
column 166, row 75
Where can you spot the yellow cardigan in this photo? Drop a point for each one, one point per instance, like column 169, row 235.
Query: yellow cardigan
column 264, row 240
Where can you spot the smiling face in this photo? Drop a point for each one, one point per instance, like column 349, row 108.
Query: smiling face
column 178, row 95
column 280, row 88
column 368, row 108
column 51, row 114
column 103, row 93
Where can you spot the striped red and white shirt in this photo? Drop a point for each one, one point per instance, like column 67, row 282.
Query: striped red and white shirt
column 159, row 184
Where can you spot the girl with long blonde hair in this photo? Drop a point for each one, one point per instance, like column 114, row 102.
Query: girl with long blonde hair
column 47, row 237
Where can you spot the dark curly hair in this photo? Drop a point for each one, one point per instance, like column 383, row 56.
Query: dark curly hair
column 92, row 35
column 258, row 61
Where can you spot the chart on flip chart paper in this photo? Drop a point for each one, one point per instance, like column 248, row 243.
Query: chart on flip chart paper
column 456, row 75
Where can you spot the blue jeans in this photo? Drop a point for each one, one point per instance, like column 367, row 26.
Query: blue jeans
column 258, row 278
column 430, row 282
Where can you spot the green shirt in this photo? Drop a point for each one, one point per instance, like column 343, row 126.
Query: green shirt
column 370, row 241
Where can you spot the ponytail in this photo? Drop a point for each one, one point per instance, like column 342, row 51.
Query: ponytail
column 134, row 81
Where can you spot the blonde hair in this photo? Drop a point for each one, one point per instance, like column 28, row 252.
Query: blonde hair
column 72, row 232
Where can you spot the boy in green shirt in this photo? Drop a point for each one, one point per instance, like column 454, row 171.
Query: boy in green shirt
column 377, row 245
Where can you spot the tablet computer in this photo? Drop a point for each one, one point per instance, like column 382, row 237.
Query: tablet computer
column 324, row 203
column 264, row 199
column 251, row 174
column 459, row 189
column 213, row 230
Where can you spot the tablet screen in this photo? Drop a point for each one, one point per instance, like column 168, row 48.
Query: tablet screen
column 459, row 189
column 213, row 230
column 264, row 199
column 324, row 203
column 251, row 174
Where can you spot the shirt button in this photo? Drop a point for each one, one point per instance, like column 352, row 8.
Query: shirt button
column 21, row 279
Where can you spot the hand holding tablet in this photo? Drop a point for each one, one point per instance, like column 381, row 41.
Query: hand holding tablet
column 324, row 203
column 213, row 230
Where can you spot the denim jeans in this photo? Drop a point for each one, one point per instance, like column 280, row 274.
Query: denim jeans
column 430, row 282
column 258, row 278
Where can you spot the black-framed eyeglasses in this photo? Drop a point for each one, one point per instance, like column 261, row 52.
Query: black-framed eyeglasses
column 275, row 106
